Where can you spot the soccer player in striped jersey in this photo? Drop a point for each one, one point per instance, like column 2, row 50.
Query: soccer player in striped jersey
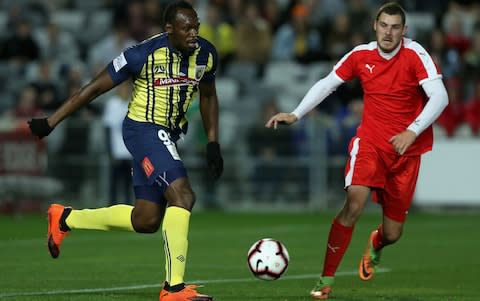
column 403, row 96
column 168, row 71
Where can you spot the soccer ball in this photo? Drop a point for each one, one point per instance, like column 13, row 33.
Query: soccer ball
column 268, row 259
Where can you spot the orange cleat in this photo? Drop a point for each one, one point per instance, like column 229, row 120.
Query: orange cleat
column 370, row 260
column 189, row 293
column 55, row 233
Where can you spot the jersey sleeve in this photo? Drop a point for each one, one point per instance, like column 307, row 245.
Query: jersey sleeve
column 211, row 69
column 345, row 67
column 424, row 66
column 128, row 64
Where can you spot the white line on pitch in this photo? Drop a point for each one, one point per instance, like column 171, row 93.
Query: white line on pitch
column 143, row 286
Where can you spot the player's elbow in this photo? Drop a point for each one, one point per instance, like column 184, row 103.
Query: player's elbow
column 443, row 96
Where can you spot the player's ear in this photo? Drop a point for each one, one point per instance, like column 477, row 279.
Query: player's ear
column 375, row 25
column 168, row 28
column 405, row 29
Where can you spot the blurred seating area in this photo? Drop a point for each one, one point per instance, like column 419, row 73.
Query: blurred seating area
column 271, row 52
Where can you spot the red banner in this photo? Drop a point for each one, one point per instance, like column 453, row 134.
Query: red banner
column 22, row 154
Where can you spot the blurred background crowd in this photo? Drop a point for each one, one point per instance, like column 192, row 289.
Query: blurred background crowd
column 270, row 53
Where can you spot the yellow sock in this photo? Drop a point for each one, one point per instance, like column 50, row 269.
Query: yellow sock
column 175, row 232
column 117, row 217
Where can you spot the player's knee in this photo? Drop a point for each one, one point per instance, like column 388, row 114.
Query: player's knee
column 351, row 212
column 390, row 237
column 145, row 224
column 186, row 199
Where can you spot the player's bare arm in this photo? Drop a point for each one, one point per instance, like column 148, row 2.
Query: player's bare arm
column 99, row 85
column 402, row 141
column 287, row 118
column 209, row 109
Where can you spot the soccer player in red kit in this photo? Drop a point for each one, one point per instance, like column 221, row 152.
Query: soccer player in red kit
column 403, row 95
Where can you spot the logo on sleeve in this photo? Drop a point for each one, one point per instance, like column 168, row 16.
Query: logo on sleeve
column 199, row 70
column 119, row 62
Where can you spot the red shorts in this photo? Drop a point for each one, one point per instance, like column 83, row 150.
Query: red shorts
column 393, row 178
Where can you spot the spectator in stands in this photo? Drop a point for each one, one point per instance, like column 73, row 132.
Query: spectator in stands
column 456, row 37
column 48, row 98
column 114, row 112
column 57, row 44
column 448, row 59
column 43, row 75
column 472, row 56
column 296, row 40
column 359, row 14
column 105, row 50
column 219, row 32
column 472, row 110
column 26, row 105
column 20, row 46
column 268, row 153
column 323, row 12
column 153, row 14
column 233, row 9
column 254, row 38
column 346, row 123
column 454, row 114
column 272, row 12
column 136, row 20
column 338, row 37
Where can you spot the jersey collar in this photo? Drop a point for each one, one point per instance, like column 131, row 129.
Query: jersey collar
column 390, row 55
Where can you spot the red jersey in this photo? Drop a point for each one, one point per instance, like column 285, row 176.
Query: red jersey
column 393, row 97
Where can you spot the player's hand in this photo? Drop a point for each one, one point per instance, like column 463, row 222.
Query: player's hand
column 402, row 141
column 281, row 118
column 214, row 160
column 40, row 127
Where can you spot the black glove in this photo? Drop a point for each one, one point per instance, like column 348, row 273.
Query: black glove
column 214, row 160
column 40, row 127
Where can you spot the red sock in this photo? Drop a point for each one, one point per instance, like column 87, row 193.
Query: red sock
column 338, row 241
column 377, row 241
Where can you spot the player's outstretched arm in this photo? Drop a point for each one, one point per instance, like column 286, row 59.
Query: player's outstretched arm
column 281, row 118
column 41, row 127
column 209, row 112
column 315, row 95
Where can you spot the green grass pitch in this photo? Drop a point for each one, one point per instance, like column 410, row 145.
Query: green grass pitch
column 437, row 259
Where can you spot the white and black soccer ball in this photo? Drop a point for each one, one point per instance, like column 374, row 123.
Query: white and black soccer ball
column 268, row 259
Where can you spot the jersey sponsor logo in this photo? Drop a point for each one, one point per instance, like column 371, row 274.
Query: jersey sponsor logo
column 370, row 67
column 178, row 81
column 147, row 167
column 159, row 69
column 119, row 62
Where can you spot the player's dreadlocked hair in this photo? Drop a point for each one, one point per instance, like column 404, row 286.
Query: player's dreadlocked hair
column 172, row 9
column 392, row 8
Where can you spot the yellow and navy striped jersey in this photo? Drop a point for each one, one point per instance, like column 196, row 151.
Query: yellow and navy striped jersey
column 165, row 81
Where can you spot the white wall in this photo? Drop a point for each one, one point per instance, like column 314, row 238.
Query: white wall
column 450, row 174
